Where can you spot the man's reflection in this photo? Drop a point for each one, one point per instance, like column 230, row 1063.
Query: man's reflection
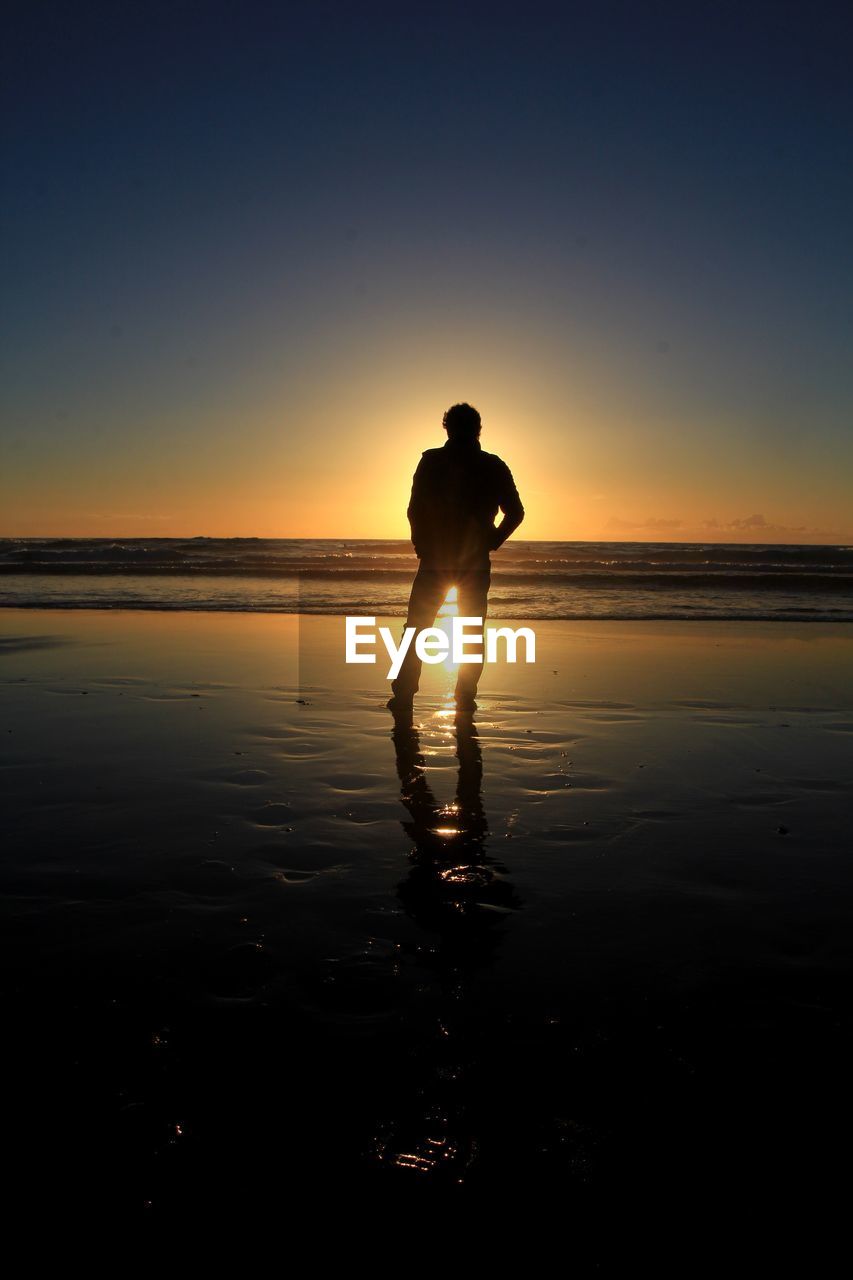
column 453, row 888
column 461, row 897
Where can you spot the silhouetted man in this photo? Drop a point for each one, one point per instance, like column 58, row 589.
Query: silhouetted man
column 456, row 494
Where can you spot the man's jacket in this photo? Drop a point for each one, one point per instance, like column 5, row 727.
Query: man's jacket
column 456, row 493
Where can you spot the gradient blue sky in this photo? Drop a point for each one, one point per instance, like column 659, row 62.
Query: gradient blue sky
column 252, row 252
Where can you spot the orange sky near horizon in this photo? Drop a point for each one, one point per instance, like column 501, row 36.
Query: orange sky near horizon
column 613, row 431
column 338, row 463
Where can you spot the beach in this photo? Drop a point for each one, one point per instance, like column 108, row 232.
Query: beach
column 260, row 945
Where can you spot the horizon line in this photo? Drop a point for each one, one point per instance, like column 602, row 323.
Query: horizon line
column 234, row 537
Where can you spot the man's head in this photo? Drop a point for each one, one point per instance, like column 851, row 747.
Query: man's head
column 462, row 422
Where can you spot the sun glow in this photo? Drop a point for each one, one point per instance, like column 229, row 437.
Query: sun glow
column 450, row 607
column 448, row 611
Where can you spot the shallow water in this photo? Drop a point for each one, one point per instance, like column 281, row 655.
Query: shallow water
column 577, row 580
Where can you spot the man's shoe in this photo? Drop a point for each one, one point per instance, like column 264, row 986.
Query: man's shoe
column 401, row 706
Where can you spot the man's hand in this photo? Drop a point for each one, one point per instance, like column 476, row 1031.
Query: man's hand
column 510, row 505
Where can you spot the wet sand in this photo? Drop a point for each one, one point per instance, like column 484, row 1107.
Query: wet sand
column 260, row 948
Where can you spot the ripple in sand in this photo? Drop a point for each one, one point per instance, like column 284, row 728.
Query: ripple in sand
column 274, row 814
column 25, row 644
column 613, row 717
column 706, row 704
column 725, row 720
column 583, row 704
column 122, row 682
column 202, row 685
column 293, row 742
column 304, row 751
column 169, row 695
column 821, row 784
column 63, row 691
column 526, row 751
column 570, row 835
column 549, row 737
column 364, row 815
column 581, row 781
column 237, row 777
column 807, row 711
column 759, row 799
column 282, row 856
column 346, row 783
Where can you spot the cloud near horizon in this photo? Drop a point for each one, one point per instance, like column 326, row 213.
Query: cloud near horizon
column 756, row 523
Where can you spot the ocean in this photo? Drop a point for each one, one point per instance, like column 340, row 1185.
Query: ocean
column 530, row 580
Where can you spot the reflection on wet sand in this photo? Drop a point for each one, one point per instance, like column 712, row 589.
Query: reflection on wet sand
column 461, row 896
column 220, row 997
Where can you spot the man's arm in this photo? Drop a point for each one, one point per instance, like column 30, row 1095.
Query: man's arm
column 510, row 505
column 416, row 509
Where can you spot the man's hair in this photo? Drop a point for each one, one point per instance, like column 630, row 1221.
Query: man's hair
column 462, row 422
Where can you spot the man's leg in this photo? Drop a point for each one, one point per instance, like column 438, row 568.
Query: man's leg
column 428, row 591
column 473, row 599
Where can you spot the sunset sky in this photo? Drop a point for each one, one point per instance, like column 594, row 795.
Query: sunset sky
column 251, row 252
